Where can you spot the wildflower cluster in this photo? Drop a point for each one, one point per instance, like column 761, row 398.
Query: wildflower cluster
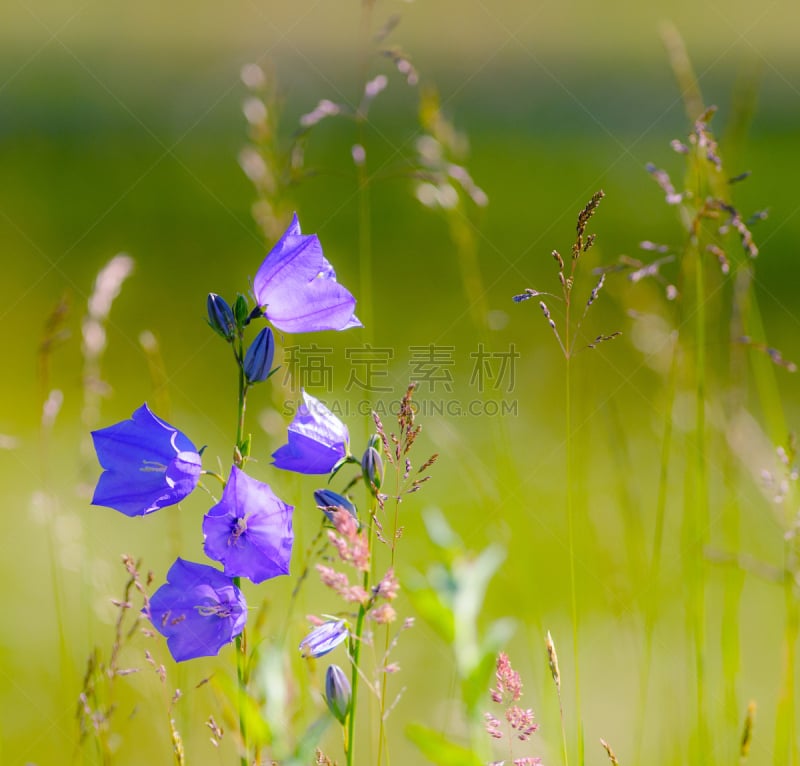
column 149, row 464
column 519, row 724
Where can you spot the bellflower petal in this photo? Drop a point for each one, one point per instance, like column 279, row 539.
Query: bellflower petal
column 324, row 638
column 317, row 440
column 198, row 609
column 298, row 286
column 148, row 464
column 249, row 530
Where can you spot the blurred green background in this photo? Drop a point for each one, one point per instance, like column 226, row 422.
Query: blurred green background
column 120, row 128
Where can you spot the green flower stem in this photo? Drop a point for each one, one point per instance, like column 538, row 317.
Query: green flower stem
column 238, row 457
column 355, row 653
column 241, row 639
column 355, row 647
column 241, row 648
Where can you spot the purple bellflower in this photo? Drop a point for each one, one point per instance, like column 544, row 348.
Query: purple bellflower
column 324, row 638
column 148, row 465
column 297, row 286
column 198, row 609
column 317, row 440
column 328, row 501
column 249, row 530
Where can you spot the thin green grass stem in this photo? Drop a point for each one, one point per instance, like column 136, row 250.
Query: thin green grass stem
column 733, row 585
column 571, row 543
column 785, row 753
column 382, row 743
column 763, row 372
column 652, row 604
column 564, row 746
column 700, row 511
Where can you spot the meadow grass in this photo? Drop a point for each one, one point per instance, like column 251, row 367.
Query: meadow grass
column 661, row 514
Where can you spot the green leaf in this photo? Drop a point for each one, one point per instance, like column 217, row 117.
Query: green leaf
column 428, row 605
column 307, row 746
column 439, row 750
column 241, row 703
column 244, row 447
column 442, row 535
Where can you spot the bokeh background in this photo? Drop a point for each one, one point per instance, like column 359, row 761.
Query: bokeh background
column 120, row 130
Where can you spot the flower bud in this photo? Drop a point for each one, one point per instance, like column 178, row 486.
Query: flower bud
column 327, row 500
column 220, row 317
column 337, row 693
column 372, row 465
column 258, row 359
column 241, row 310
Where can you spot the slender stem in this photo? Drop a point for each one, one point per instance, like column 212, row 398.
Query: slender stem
column 573, row 587
column 364, row 220
column 701, row 500
column 571, row 541
column 564, row 748
column 238, row 458
column 785, row 729
column 241, row 648
column 355, row 642
column 365, row 311
column 241, row 639
column 651, row 603
column 355, row 653
column 382, row 726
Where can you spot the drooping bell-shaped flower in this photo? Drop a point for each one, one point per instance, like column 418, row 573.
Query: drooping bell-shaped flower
column 297, row 287
column 328, row 501
column 317, row 440
column 249, row 530
column 198, row 609
column 324, row 638
column 148, row 464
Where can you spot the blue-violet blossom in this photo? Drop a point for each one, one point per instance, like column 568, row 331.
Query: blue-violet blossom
column 328, row 501
column 198, row 609
column 249, row 530
column 324, row 638
column 317, row 440
column 148, row 464
column 297, row 286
